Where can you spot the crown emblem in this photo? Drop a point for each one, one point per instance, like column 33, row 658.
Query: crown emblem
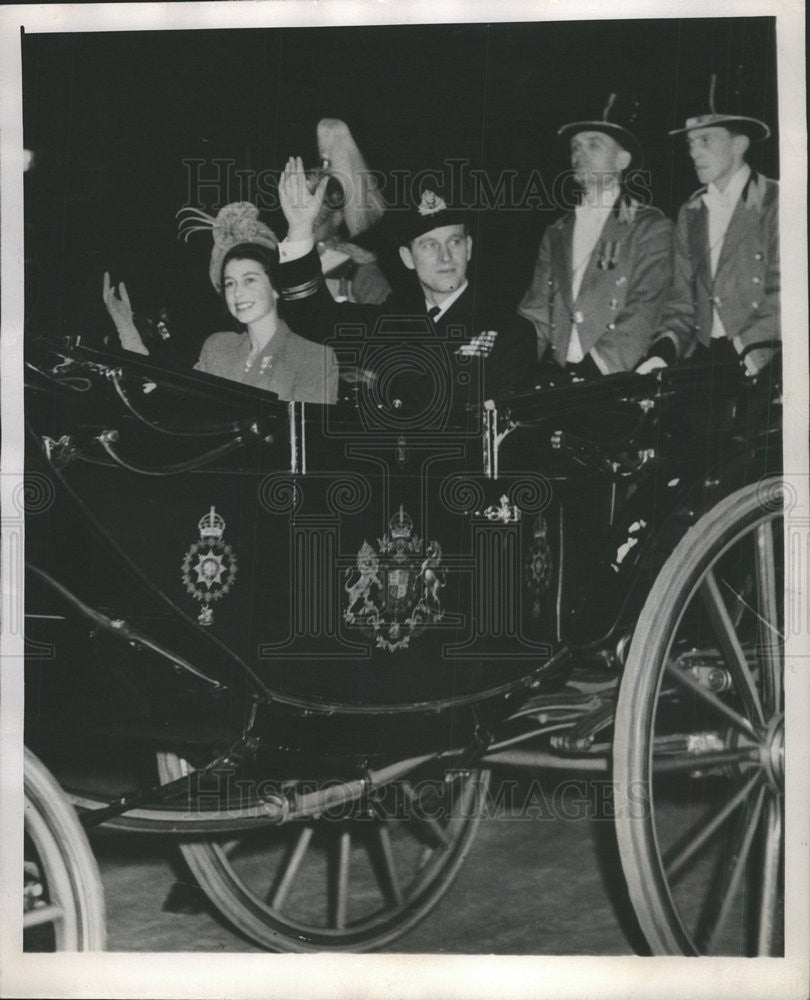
column 211, row 525
column 209, row 565
column 400, row 525
column 431, row 203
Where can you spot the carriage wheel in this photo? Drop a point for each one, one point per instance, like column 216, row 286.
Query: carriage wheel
column 699, row 738
column 63, row 895
column 349, row 882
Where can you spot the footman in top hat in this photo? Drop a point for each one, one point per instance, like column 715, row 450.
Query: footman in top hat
column 449, row 340
column 602, row 274
column 725, row 290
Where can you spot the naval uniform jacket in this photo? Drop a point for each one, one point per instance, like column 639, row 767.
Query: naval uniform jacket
column 483, row 352
column 745, row 288
column 623, row 290
column 290, row 366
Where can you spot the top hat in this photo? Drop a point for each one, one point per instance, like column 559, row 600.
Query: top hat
column 614, row 122
column 431, row 213
column 752, row 127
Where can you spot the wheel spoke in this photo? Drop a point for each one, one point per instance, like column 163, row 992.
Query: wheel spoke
column 688, row 681
column 682, row 853
column 770, row 877
column 432, row 826
column 425, row 856
column 341, row 886
column 745, row 836
column 293, row 863
column 667, row 763
column 769, row 611
column 730, row 645
column 230, row 847
column 387, row 854
column 43, row 915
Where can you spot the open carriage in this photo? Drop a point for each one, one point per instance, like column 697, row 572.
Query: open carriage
column 300, row 639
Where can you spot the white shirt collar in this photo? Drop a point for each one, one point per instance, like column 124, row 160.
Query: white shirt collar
column 733, row 188
column 604, row 202
column 446, row 303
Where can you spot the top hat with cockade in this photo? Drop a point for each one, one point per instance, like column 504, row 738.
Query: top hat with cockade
column 618, row 117
column 726, row 110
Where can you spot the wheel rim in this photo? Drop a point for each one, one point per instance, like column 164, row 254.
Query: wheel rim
column 702, row 702
column 50, row 920
column 346, row 882
column 63, row 902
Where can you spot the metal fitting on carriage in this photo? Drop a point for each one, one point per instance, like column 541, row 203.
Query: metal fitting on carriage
column 505, row 511
column 60, row 452
column 707, row 667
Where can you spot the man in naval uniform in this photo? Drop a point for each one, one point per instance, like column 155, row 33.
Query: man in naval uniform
column 437, row 341
column 601, row 278
column 725, row 291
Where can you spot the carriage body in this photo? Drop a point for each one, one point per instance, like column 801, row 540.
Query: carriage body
column 339, row 595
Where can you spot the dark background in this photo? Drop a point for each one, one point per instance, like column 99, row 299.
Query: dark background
column 112, row 117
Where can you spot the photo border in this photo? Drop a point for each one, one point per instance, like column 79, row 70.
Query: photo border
column 202, row 975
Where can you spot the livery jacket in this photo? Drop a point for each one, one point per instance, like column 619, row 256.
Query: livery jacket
column 482, row 352
column 745, row 288
column 623, row 290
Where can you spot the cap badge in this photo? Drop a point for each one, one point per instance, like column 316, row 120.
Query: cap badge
column 431, row 203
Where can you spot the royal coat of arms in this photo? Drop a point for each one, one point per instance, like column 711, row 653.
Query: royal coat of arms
column 393, row 592
column 209, row 565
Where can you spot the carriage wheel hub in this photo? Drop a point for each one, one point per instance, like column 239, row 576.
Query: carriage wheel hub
column 772, row 752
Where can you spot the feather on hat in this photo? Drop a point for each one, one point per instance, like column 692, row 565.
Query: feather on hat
column 754, row 128
column 235, row 223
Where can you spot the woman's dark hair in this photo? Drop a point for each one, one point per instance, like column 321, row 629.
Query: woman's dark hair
column 266, row 257
column 254, row 251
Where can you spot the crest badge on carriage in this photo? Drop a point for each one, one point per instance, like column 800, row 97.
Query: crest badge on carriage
column 209, row 565
column 393, row 591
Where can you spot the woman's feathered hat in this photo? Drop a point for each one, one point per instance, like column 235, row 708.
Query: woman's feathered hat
column 234, row 224
column 754, row 128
